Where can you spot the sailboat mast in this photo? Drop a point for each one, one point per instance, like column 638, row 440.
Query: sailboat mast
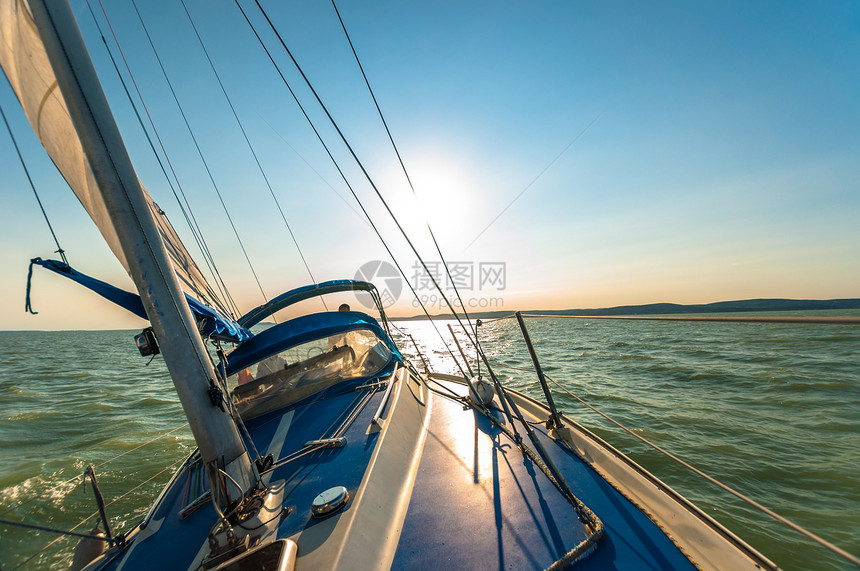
column 221, row 446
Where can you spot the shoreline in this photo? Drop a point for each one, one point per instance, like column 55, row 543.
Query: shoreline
column 751, row 319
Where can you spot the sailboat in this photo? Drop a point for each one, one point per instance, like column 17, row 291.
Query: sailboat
column 320, row 445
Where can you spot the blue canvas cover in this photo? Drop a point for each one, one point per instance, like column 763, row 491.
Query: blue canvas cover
column 301, row 330
column 286, row 299
column 213, row 323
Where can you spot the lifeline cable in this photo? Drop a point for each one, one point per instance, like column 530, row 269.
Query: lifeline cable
column 92, row 515
column 70, row 480
column 821, row 541
column 52, row 530
column 742, row 497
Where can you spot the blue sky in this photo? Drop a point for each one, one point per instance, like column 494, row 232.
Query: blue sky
column 720, row 157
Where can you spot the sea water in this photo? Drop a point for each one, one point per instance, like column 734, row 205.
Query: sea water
column 770, row 409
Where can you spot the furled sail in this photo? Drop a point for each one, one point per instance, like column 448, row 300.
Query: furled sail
column 25, row 62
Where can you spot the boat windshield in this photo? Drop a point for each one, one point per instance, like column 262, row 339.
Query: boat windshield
column 304, row 369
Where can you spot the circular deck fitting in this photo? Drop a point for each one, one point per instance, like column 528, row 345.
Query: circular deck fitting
column 329, row 501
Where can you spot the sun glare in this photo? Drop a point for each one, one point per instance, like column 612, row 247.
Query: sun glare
column 444, row 191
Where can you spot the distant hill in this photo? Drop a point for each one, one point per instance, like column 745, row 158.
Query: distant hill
column 675, row 308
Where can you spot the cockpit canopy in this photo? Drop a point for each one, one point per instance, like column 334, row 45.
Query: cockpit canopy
column 299, row 294
column 295, row 359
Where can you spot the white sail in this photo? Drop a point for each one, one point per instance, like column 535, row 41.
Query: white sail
column 23, row 59
column 78, row 131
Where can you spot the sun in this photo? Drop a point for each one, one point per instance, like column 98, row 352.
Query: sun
column 444, row 199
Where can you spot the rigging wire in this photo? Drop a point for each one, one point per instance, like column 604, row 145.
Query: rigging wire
column 59, row 249
column 412, row 187
column 402, row 165
column 220, row 375
column 205, row 164
column 534, row 180
column 466, row 315
column 191, row 221
column 375, row 189
column 250, row 146
column 310, row 166
column 474, row 341
column 340, row 171
column 76, row 78
column 364, row 171
column 196, row 231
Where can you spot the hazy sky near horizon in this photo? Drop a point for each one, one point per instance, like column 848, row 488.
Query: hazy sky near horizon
column 668, row 152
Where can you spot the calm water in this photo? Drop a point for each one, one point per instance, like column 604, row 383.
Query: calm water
column 772, row 410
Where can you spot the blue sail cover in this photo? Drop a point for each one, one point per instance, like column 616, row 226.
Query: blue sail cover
column 301, row 330
column 276, row 304
column 211, row 323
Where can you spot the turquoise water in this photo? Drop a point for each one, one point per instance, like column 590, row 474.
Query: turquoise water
column 770, row 409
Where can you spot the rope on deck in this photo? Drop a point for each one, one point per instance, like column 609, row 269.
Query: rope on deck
column 592, row 523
